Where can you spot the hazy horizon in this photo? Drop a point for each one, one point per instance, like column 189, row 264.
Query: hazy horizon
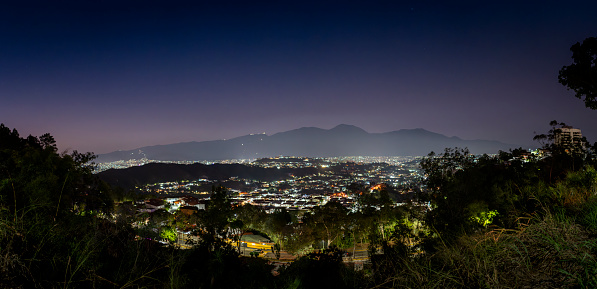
column 271, row 134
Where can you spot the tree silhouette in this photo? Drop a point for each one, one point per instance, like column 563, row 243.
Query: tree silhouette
column 581, row 75
column 216, row 217
column 328, row 221
column 247, row 217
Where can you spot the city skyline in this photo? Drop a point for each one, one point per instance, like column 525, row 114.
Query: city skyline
column 113, row 76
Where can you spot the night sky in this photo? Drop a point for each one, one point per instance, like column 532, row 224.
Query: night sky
column 107, row 75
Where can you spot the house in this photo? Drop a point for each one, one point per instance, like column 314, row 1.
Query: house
column 189, row 210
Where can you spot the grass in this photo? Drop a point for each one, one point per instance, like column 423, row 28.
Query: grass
column 553, row 251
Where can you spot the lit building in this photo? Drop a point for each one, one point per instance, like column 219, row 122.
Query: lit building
column 569, row 138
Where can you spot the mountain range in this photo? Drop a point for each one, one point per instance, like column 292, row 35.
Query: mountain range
column 342, row 140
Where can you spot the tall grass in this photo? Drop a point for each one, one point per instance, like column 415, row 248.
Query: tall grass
column 554, row 248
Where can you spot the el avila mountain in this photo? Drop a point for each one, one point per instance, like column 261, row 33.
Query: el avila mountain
column 342, row 140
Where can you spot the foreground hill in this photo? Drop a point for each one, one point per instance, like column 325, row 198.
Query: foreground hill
column 159, row 172
column 342, row 140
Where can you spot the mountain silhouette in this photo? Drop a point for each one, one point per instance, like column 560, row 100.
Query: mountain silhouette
column 342, row 140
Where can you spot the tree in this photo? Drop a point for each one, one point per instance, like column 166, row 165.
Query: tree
column 323, row 269
column 328, row 221
column 547, row 140
column 581, row 75
column 168, row 233
column 378, row 215
column 464, row 191
column 442, row 168
column 34, row 175
column 49, row 204
column 248, row 217
column 277, row 226
column 218, row 214
column 563, row 157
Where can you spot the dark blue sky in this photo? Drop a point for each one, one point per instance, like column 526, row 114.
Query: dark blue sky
column 123, row 74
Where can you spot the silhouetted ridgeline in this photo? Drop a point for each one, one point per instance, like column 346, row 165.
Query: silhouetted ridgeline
column 342, row 140
column 160, row 172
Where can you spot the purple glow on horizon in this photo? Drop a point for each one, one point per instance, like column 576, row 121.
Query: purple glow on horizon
column 103, row 77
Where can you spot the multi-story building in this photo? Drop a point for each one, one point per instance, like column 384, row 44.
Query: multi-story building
column 569, row 138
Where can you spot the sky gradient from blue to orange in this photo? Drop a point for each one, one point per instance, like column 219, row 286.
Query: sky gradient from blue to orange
column 115, row 75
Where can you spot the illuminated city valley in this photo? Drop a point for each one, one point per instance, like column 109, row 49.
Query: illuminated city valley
column 334, row 179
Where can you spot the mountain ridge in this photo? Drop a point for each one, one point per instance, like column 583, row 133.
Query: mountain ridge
column 341, row 140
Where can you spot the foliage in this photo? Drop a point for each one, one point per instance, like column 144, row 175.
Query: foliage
column 54, row 230
column 460, row 190
column 327, row 222
column 467, row 193
column 555, row 248
column 589, row 214
column 482, row 217
column 217, row 215
column 168, row 233
column 215, row 264
column 563, row 158
column 33, row 174
column 246, row 218
column 581, row 75
column 322, row 269
column 492, row 222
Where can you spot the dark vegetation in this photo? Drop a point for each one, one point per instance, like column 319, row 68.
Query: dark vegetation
column 581, row 75
column 512, row 220
column 160, row 172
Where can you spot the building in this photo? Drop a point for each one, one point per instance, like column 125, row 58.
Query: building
column 568, row 138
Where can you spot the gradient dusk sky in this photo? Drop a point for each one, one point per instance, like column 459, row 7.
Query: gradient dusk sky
column 107, row 75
